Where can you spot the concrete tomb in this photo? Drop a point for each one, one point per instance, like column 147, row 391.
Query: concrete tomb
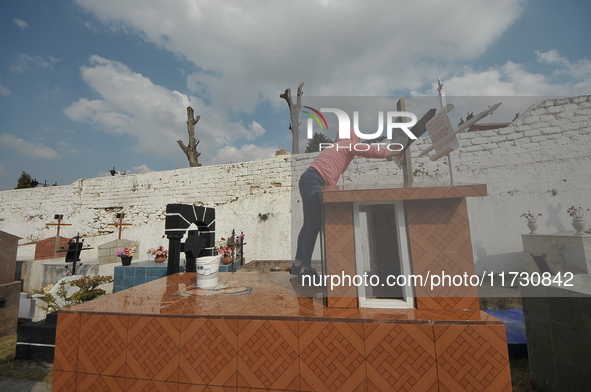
column 557, row 253
column 9, row 288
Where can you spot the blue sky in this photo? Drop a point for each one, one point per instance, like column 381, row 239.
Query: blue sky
column 87, row 85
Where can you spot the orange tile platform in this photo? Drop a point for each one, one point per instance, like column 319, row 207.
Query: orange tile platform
column 167, row 336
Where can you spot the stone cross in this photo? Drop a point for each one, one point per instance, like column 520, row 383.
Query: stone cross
column 120, row 216
column 59, row 223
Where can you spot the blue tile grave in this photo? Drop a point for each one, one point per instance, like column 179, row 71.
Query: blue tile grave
column 137, row 273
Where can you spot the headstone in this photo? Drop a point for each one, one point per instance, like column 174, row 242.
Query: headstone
column 9, row 288
column 179, row 217
column 107, row 253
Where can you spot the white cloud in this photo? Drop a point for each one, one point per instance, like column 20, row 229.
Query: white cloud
column 511, row 79
column 68, row 149
column 581, row 69
column 247, row 152
column 21, row 23
column 257, row 129
column 134, row 170
column 23, row 62
column 131, row 104
column 28, row 148
column 139, row 169
column 252, row 51
column 4, row 90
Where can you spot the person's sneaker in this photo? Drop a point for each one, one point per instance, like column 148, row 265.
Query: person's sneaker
column 314, row 277
column 296, row 269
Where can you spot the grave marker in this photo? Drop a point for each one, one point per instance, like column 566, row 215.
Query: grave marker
column 59, row 223
column 120, row 216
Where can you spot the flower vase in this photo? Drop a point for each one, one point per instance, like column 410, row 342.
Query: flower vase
column 126, row 260
column 160, row 259
column 579, row 225
column 227, row 259
column 533, row 226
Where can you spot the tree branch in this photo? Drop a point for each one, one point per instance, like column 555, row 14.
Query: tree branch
column 294, row 114
column 191, row 150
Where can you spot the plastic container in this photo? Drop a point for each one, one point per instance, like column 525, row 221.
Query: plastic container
column 208, row 269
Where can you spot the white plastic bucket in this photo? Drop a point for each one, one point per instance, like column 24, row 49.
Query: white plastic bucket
column 208, row 269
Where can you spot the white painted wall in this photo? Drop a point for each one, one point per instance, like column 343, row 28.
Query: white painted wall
column 541, row 163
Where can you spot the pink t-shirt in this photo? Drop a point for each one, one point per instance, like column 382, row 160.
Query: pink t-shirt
column 332, row 162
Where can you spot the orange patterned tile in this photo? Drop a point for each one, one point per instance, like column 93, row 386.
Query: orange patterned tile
column 472, row 358
column 208, row 353
column 438, row 225
column 205, row 388
column 450, row 263
column 342, row 302
column 150, row 385
column 102, row 344
column 343, row 313
column 271, row 305
column 95, row 382
column 472, row 190
column 153, row 348
column 440, row 192
column 400, row 357
column 450, row 290
column 66, row 342
column 63, row 381
column 338, row 197
column 268, row 354
column 341, row 262
column 387, row 194
column 472, row 316
column 375, row 195
column 332, row 356
column 390, row 315
column 406, row 194
column 338, row 229
column 424, row 303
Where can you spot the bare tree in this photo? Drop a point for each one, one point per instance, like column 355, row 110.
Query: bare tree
column 294, row 112
column 191, row 150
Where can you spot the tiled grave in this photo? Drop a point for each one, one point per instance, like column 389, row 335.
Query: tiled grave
column 168, row 334
column 232, row 267
column 138, row 273
column 264, row 331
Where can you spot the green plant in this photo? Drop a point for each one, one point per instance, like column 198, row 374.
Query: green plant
column 24, row 181
column 88, row 290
